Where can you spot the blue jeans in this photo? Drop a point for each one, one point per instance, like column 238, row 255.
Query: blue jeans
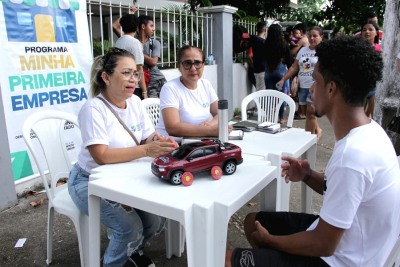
column 304, row 96
column 271, row 78
column 128, row 229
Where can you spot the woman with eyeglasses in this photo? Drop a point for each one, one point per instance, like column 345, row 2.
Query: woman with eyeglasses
column 105, row 141
column 189, row 104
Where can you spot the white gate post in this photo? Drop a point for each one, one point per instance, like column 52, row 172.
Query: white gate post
column 8, row 196
column 223, row 50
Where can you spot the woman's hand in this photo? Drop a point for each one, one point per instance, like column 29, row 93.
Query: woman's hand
column 294, row 169
column 158, row 148
column 168, row 139
column 215, row 125
column 280, row 83
column 158, row 137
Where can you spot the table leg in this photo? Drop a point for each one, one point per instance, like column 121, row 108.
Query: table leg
column 276, row 195
column 175, row 238
column 306, row 192
column 200, row 237
column 94, row 231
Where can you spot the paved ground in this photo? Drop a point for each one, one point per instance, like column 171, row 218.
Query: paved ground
column 24, row 221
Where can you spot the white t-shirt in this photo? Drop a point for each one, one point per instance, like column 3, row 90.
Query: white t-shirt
column 307, row 61
column 100, row 126
column 362, row 195
column 193, row 105
column 133, row 45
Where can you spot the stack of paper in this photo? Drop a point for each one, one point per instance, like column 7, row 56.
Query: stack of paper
column 246, row 126
column 269, row 127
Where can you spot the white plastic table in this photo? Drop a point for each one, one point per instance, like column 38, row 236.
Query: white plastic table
column 204, row 208
column 295, row 142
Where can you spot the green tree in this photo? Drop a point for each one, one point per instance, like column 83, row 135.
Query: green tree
column 341, row 14
column 257, row 8
column 347, row 15
column 306, row 14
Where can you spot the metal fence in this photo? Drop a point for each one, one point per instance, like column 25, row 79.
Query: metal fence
column 175, row 27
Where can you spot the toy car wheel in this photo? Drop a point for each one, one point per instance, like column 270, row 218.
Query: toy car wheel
column 176, row 177
column 187, row 178
column 216, row 172
column 230, row 167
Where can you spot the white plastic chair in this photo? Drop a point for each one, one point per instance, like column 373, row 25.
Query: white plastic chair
column 48, row 126
column 152, row 106
column 268, row 103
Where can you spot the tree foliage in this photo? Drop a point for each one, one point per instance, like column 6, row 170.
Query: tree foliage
column 346, row 15
column 306, row 14
column 340, row 14
column 252, row 8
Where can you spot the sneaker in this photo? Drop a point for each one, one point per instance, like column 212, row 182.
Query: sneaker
column 139, row 260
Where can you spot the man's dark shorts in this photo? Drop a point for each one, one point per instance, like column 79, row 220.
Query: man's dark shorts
column 278, row 223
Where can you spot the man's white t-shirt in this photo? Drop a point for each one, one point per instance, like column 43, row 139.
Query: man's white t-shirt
column 362, row 195
column 193, row 105
column 100, row 126
column 307, row 61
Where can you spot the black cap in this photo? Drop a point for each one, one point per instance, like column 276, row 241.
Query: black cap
column 223, row 104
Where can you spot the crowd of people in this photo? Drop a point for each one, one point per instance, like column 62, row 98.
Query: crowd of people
column 359, row 181
column 301, row 44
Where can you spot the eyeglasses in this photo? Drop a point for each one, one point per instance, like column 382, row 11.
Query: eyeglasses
column 128, row 74
column 187, row 64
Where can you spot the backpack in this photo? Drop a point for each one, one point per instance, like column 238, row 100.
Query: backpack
column 241, row 39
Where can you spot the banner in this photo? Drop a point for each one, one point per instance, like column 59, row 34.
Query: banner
column 45, row 65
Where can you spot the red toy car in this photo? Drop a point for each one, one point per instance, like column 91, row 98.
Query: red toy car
column 206, row 154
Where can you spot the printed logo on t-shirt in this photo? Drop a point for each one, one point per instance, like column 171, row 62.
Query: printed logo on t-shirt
column 136, row 128
column 205, row 105
column 307, row 63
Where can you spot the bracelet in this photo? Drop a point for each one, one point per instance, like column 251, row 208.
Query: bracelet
column 144, row 92
column 308, row 175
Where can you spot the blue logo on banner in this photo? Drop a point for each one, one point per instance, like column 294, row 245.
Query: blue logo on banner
column 40, row 20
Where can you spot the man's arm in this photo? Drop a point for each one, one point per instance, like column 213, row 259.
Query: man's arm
column 117, row 27
column 322, row 241
column 150, row 61
column 155, row 50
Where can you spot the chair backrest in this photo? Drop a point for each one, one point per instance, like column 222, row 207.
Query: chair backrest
column 152, row 106
column 48, row 127
column 268, row 103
